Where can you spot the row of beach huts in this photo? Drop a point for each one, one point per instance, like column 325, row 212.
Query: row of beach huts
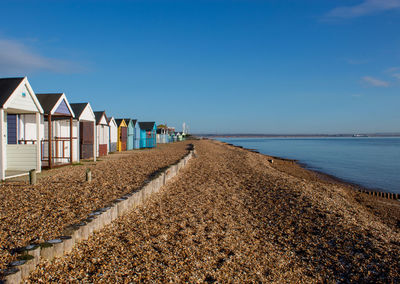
column 45, row 130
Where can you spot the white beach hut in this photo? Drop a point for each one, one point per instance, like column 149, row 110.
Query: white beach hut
column 85, row 122
column 113, row 135
column 58, row 131
column 20, row 118
column 102, row 132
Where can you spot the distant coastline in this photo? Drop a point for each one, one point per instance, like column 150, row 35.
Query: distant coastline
column 333, row 166
column 244, row 135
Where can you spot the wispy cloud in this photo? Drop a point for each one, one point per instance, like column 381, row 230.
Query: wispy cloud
column 375, row 82
column 392, row 69
column 364, row 8
column 394, row 72
column 16, row 58
column 396, row 75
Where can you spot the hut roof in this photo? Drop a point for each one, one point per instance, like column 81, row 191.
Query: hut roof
column 48, row 101
column 146, row 125
column 110, row 119
column 119, row 121
column 78, row 108
column 99, row 115
column 129, row 119
column 7, row 87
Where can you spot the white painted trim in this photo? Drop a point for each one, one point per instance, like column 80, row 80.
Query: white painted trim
column 3, row 146
column 31, row 93
column 112, row 119
column 18, row 175
column 101, row 118
column 91, row 113
column 38, row 151
column 78, row 137
column 63, row 97
column 95, row 142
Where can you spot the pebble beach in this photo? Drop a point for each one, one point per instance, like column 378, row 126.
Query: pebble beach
column 37, row 213
column 229, row 216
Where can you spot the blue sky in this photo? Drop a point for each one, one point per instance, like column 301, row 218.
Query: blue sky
column 236, row 66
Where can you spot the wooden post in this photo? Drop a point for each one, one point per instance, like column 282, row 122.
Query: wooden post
column 70, row 138
column 88, row 175
column 50, row 141
column 32, row 176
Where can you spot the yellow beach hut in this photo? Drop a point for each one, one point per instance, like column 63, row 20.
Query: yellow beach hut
column 122, row 134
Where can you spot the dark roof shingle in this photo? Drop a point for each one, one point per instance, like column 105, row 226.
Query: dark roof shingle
column 99, row 115
column 48, row 101
column 119, row 121
column 78, row 108
column 7, row 87
column 148, row 125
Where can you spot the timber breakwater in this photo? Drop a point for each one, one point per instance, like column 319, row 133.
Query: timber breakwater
column 233, row 216
column 32, row 255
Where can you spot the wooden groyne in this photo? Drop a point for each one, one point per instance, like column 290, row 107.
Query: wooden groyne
column 387, row 195
column 375, row 193
column 31, row 255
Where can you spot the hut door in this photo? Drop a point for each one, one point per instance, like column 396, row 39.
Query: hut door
column 86, row 129
column 123, row 138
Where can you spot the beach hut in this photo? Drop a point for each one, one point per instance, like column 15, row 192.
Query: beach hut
column 85, row 122
column 130, row 140
column 162, row 134
column 122, row 134
column 113, row 134
column 20, row 120
column 147, row 134
column 136, row 144
column 179, row 136
column 102, row 133
column 133, row 132
column 60, row 135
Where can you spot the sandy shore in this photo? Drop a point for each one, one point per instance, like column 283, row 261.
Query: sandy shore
column 32, row 214
column 231, row 216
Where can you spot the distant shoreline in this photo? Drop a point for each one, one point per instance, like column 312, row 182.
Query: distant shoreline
column 358, row 135
column 321, row 175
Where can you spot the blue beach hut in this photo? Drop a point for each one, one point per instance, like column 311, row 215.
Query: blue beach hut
column 136, row 144
column 147, row 134
column 130, row 134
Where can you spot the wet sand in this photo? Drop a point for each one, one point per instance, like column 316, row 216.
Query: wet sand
column 231, row 216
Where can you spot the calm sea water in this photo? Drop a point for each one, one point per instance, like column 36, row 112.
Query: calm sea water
column 370, row 162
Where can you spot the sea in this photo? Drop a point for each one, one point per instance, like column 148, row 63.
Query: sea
column 370, row 162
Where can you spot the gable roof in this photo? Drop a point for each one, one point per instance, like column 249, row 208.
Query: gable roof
column 7, row 87
column 128, row 120
column 99, row 115
column 49, row 102
column 111, row 119
column 119, row 121
column 147, row 125
column 78, row 108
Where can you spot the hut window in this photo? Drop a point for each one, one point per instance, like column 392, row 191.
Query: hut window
column 12, row 129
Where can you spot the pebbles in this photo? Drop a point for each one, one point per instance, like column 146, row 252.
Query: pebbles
column 231, row 217
column 35, row 213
